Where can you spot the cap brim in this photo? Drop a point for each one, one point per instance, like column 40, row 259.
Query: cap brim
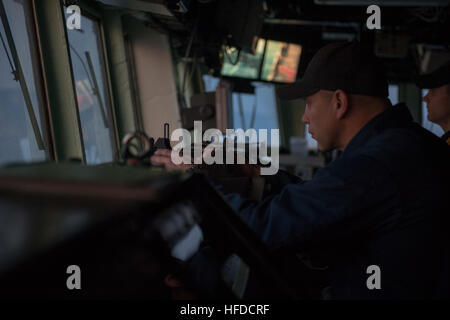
column 296, row 90
column 434, row 79
column 426, row 81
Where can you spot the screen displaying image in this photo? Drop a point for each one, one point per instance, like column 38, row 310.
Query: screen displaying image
column 273, row 61
column 281, row 61
column 237, row 63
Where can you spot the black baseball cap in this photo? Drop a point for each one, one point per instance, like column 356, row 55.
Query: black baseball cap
column 349, row 66
column 437, row 78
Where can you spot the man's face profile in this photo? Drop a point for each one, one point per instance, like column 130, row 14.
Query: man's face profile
column 320, row 117
column 438, row 103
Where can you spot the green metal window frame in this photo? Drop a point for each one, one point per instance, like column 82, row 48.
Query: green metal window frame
column 95, row 14
column 134, row 86
column 63, row 116
column 64, row 120
column 127, row 106
column 125, row 111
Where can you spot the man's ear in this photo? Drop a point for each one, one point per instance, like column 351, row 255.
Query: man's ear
column 342, row 103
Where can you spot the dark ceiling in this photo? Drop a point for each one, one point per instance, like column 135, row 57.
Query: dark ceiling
column 208, row 24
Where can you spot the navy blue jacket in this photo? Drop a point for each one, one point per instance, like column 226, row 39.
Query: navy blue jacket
column 383, row 202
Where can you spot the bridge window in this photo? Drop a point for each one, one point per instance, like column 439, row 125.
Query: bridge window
column 22, row 121
column 256, row 111
column 92, row 89
column 393, row 94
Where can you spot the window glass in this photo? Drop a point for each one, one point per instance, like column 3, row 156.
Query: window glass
column 256, row 111
column 94, row 103
column 393, row 93
column 210, row 82
column 251, row 111
column 22, row 137
column 311, row 142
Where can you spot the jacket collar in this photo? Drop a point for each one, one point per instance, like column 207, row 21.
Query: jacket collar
column 446, row 137
column 393, row 117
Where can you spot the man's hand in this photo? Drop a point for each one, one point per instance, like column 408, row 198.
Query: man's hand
column 162, row 157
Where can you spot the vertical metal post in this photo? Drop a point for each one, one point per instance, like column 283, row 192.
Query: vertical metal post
column 120, row 77
column 64, row 116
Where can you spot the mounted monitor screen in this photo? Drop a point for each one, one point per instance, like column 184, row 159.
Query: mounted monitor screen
column 281, row 61
column 273, row 61
column 237, row 63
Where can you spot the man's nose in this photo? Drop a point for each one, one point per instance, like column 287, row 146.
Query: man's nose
column 426, row 98
column 305, row 118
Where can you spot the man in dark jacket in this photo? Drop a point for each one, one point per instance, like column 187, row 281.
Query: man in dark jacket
column 378, row 214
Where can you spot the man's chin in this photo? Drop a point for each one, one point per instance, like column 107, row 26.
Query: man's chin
column 431, row 117
column 323, row 148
